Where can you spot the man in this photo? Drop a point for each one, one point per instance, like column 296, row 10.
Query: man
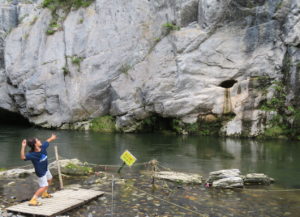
column 39, row 159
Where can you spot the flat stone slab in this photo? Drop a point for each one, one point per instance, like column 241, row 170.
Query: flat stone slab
column 61, row 202
column 257, row 179
column 222, row 174
column 230, row 182
column 179, row 177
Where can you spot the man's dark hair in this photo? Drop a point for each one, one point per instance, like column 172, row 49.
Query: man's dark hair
column 31, row 144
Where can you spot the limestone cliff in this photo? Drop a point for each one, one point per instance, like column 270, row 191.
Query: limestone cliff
column 196, row 61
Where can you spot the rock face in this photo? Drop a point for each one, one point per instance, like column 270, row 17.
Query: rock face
column 117, row 58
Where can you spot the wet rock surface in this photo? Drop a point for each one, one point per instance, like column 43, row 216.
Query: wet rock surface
column 257, row 179
column 230, row 182
column 132, row 193
column 221, row 174
column 179, row 177
column 232, row 178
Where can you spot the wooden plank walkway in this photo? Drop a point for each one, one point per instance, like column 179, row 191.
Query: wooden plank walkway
column 61, row 202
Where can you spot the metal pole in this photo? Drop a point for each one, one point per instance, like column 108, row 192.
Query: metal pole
column 58, row 168
column 112, row 196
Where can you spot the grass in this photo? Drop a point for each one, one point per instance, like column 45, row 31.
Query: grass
column 2, row 169
column 104, row 124
column 170, row 27
column 50, row 31
column 79, row 169
column 76, row 60
column 274, row 131
column 125, row 68
column 66, row 4
column 277, row 103
column 66, row 71
column 53, row 27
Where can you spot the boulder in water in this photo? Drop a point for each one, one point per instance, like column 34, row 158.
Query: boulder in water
column 230, row 182
column 186, row 178
column 221, row 174
column 257, row 179
column 16, row 173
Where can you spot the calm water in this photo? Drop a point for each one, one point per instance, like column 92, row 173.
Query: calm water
column 279, row 159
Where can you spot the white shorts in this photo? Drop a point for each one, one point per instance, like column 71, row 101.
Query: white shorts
column 43, row 181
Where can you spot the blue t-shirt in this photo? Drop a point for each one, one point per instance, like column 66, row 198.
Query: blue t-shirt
column 39, row 160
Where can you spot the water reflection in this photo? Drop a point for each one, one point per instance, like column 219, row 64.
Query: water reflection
column 277, row 158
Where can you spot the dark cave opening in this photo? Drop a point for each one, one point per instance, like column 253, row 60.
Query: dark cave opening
column 12, row 118
column 227, row 83
column 156, row 123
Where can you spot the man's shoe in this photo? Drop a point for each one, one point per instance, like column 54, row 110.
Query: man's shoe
column 46, row 195
column 34, row 202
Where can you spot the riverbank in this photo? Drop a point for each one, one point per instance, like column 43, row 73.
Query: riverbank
column 132, row 192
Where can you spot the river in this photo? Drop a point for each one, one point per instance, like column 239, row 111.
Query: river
column 279, row 159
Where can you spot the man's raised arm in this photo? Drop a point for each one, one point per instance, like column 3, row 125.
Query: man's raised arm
column 52, row 138
column 22, row 154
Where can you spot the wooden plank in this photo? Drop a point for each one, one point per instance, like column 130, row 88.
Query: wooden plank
column 61, row 202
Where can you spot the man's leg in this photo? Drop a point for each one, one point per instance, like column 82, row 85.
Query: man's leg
column 43, row 188
column 49, row 181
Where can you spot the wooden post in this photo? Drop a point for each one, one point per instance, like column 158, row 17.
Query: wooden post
column 58, row 168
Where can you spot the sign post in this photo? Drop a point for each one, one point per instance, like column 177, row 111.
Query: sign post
column 128, row 159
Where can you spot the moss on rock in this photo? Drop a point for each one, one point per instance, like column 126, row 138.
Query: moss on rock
column 63, row 4
column 74, row 169
column 206, row 125
column 104, row 124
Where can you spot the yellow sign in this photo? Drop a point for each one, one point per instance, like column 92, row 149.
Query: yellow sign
column 128, row 158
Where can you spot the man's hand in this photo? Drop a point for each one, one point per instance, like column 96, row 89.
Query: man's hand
column 24, row 143
column 53, row 137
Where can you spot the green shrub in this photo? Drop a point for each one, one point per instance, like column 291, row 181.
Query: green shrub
column 66, row 71
column 103, row 124
column 74, row 169
column 50, row 31
column 125, row 68
column 170, row 27
column 274, row 131
column 277, row 103
column 76, row 60
column 66, row 4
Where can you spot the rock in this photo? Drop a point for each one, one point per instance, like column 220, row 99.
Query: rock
column 185, row 178
column 221, row 174
column 16, row 173
column 11, row 183
column 64, row 163
column 257, row 179
column 210, row 11
column 230, row 182
column 81, row 72
column 71, row 167
column 65, row 167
